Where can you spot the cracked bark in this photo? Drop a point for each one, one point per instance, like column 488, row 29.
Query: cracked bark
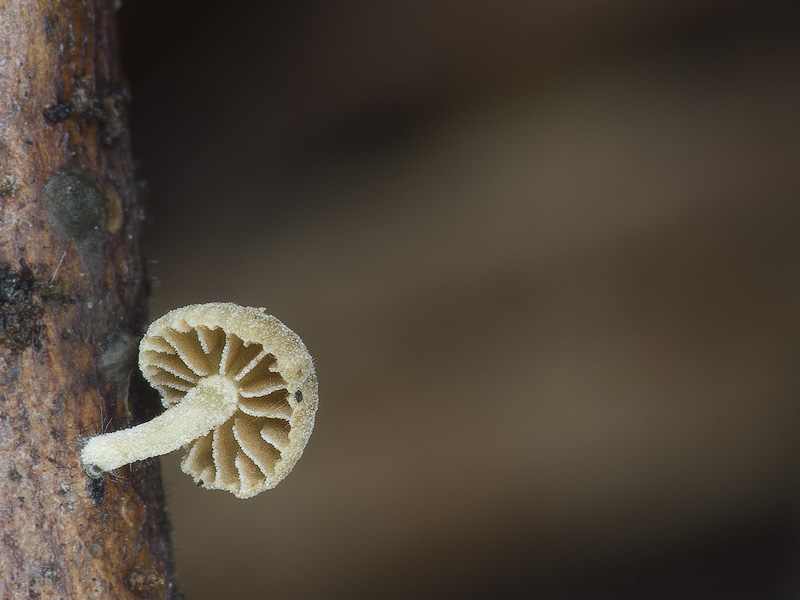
column 72, row 296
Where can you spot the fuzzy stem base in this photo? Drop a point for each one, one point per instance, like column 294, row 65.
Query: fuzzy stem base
column 205, row 407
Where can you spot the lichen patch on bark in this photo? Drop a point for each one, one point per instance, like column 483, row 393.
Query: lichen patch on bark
column 22, row 306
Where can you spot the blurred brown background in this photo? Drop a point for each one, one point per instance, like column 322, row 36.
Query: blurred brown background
column 546, row 257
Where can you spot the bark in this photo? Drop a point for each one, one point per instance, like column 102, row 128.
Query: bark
column 72, row 303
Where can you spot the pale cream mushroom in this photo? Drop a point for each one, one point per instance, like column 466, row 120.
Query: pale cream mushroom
column 240, row 391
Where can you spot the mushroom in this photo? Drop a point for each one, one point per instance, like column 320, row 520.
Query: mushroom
column 240, row 392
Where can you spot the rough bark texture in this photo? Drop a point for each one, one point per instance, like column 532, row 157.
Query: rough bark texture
column 72, row 301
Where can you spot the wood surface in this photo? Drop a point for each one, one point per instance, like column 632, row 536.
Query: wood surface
column 72, row 304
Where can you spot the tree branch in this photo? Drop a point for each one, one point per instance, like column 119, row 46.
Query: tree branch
column 72, row 301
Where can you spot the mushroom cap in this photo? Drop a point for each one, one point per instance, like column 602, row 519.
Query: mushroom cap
column 272, row 372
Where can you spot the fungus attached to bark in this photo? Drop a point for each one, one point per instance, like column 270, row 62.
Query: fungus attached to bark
column 240, row 391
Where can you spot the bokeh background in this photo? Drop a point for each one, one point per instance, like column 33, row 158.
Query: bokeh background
column 546, row 256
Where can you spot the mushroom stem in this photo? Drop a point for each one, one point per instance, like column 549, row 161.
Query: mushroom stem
column 206, row 406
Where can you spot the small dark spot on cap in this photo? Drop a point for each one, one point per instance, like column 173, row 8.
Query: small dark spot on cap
column 298, row 395
column 94, row 549
column 77, row 205
column 14, row 475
